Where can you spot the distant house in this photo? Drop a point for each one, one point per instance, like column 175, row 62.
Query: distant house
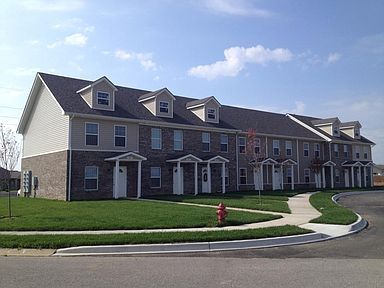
column 14, row 179
column 94, row 140
column 378, row 170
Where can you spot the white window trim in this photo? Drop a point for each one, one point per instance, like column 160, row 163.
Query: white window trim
column 161, row 144
column 226, row 143
column 125, row 137
column 336, row 150
column 97, row 178
column 317, row 145
column 288, row 148
column 305, row 149
column 209, row 141
column 226, row 175
column 168, row 107
column 257, row 145
column 182, row 140
column 157, row 177
column 245, row 144
column 85, row 133
column 246, row 176
column 109, row 98
column 276, row 147
column 212, row 112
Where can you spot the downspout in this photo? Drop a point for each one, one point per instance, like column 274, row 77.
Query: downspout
column 70, row 158
column 237, row 164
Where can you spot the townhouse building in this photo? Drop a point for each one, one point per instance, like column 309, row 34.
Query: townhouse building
column 94, row 140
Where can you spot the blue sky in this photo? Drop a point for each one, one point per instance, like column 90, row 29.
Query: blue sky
column 319, row 58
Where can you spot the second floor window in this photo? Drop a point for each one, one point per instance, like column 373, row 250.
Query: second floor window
column 243, row 176
column 211, row 113
column 242, row 144
column 357, row 150
column 317, row 150
column 120, row 136
column 365, row 152
column 156, row 138
column 336, row 150
column 257, row 146
column 177, row 140
column 206, row 141
column 91, row 134
column 276, row 147
column 164, row 107
column 288, row 148
column 224, row 143
column 103, row 98
column 306, row 149
column 346, row 153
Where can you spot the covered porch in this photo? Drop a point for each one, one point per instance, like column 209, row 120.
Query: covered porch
column 207, row 173
column 357, row 173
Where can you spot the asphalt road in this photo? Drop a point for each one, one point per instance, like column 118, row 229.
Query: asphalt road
column 353, row 261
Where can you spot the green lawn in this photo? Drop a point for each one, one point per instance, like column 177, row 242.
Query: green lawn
column 332, row 213
column 248, row 200
column 62, row 241
column 43, row 214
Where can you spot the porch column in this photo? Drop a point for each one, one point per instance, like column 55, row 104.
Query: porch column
column 359, row 177
column 196, row 188
column 365, row 176
column 261, row 176
column 323, row 172
column 371, row 172
column 178, row 178
column 292, row 179
column 117, row 172
column 353, row 177
column 209, row 177
column 281, row 177
column 332, row 184
column 273, row 176
column 223, row 178
column 139, row 179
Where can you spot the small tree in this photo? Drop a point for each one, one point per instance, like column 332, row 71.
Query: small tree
column 316, row 166
column 9, row 155
column 255, row 155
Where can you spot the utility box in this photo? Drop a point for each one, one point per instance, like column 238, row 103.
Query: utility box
column 27, row 182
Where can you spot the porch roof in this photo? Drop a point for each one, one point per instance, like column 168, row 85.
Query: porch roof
column 128, row 157
column 352, row 164
column 216, row 159
column 189, row 158
column 329, row 163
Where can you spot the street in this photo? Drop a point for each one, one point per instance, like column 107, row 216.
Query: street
column 353, row 261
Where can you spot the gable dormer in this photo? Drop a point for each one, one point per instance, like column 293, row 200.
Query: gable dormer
column 207, row 109
column 331, row 126
column 100, row 94
column 159, row 103
column 352, row 129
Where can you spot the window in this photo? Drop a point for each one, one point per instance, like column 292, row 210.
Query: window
column 120, row 136
column 337, row 176
column 206, row 140
column 164, row 107
column 307, row 175
column 91, row 178
column 177, row 140
column 226, row 176
column 346, row 153
column 289, row 174
column 317, row 150
column 357, row 152
column 103, row 98
column 211, row 113
column 288, row 148
column 243, row 175
column 306, row 149
column 257, row 146
column 156, row 138
column 276, row 147
column 224, row 143
column 365, row 152
column 336, row 150
column 242, row 145
column 91, row 134
column 155, row 177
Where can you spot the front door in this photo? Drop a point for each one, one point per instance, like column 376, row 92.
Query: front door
column 204, row 182
column 176, row 181
column 122, row 192
column 346, row 178
column 276, row 179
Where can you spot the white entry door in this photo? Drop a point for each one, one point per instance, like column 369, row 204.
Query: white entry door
column 122, row 192
column 176, row 181
column 346, row 178
column 276, row 179
column 204, row 182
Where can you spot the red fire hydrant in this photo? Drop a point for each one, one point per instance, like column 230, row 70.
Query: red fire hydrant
column 221, row 213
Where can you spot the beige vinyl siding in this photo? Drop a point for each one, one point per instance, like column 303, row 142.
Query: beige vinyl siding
column 199, row 112
column 103, row 86
column 151, row 105
column 213, row 105
column 106, row 138
column 87, row 96
column 166, row 98
column 47, row 129
column 327, row 129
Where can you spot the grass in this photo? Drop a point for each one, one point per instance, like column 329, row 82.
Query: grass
column 332, row 213
column 62, row 241
column 276, row 202
column 43, row 214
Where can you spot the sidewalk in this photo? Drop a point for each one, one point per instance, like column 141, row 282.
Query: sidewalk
column 302, row 213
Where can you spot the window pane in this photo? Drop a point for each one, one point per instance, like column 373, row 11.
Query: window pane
column 91, row 128
column 102, row 98
column 91, row 140
column 155, row 171
column 90, row 172
column 205, row 137
column 120, row 141
column 164, row 107
column 120, row 130
column 90, row 184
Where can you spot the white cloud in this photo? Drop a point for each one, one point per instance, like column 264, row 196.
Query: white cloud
column 236, row 58
column 333, row 57
column 76, row 39
column 145, row 59
column 235, row 7
column 52, row 5
column 74, row 24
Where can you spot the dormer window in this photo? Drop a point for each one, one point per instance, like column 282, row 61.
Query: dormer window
column 211, row 113
column 164, row 107
column 103, row 98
